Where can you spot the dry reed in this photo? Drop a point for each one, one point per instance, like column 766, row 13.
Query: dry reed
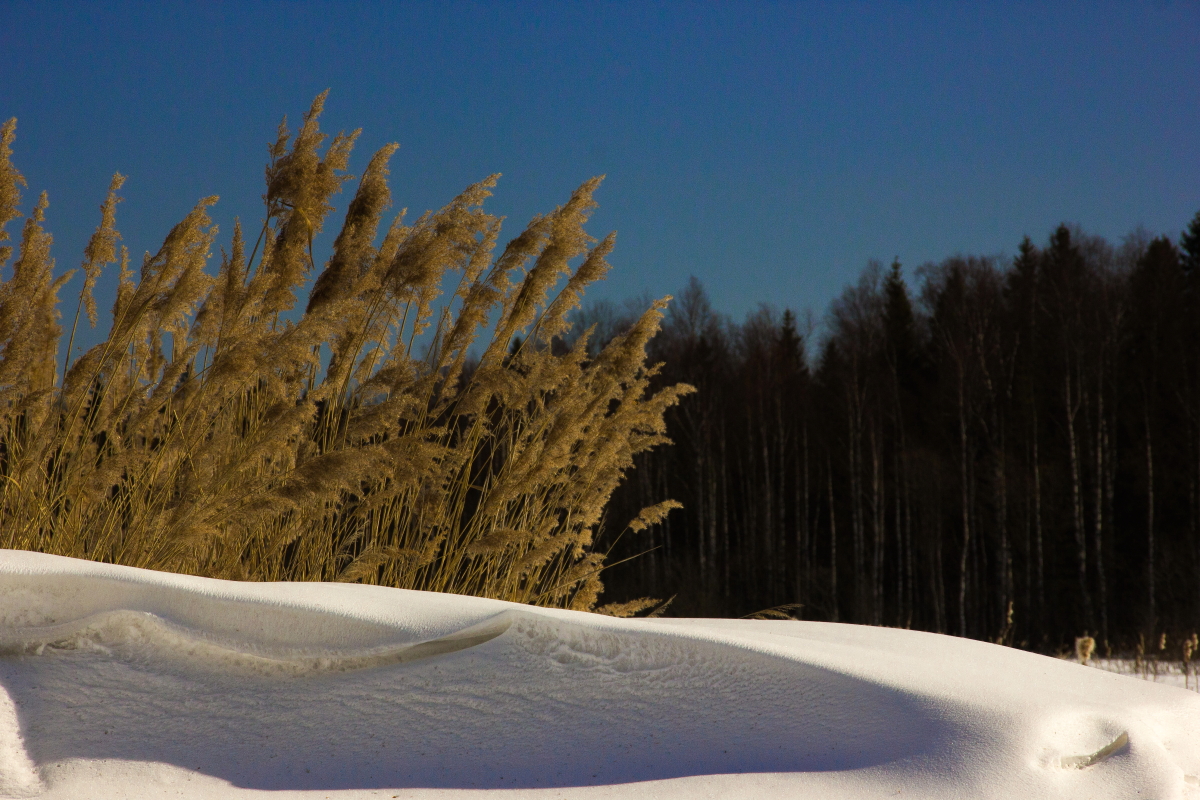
column 1084, row 647
column 217, row 432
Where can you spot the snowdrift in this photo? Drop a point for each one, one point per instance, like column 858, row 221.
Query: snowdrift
column 118, row 682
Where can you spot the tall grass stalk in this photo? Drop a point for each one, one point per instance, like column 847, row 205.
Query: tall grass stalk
column 218, row 431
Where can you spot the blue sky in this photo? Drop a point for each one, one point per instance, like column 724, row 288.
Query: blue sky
column 770, row 149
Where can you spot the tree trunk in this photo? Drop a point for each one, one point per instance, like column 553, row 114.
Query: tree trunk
column 939, row 587
column 767, row 481
column 1098, row 519
column 724, row 510
column 1150, row 558
column 833, row 587
column 856, row 521
column 808, row 527
column 966, row 509
column 1037, row 528
column 908, row 547
column 877, row 529
column 1004, row 557
column 897, row 495
column 1077, row 503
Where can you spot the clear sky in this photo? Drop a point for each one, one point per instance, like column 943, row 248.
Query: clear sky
column 770, row 149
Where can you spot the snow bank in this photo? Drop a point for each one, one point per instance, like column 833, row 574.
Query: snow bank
column 120, row 682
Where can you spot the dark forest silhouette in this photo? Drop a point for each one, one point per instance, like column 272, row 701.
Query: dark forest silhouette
column 1008, row 451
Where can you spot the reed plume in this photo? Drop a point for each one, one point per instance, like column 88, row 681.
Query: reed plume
column 219, row 432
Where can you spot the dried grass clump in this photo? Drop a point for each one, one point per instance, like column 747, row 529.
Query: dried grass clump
column 1084, row 647
column 1190, row 645
column 212, row 435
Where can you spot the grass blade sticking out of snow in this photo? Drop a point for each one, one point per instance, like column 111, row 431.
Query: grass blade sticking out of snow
column 1110, row 749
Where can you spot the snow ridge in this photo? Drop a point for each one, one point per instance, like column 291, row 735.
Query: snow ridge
column 106, row 631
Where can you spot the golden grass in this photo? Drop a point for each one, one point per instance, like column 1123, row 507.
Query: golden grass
column 217, row 434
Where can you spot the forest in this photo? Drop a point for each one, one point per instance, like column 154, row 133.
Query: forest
column 1004, row 449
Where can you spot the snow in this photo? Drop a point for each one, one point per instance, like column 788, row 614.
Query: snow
column 1171, row 673
column 126, row 683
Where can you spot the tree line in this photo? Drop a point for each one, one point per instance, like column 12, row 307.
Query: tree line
column 1005, row 450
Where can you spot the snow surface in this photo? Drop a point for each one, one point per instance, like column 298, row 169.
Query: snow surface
column 126, row 683
column 1170, row 673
